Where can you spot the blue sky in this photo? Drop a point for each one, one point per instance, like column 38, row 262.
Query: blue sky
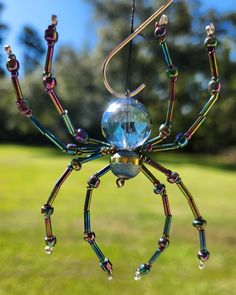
column 75, row 18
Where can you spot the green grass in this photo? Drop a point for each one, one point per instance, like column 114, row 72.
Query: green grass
column 128, row 222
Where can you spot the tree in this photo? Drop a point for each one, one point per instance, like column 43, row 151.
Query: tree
column 33, row 48
column 3, row 30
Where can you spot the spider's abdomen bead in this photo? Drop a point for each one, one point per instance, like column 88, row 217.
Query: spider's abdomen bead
column 203, row 255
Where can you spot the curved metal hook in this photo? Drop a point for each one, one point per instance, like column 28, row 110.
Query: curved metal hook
column 123, row 44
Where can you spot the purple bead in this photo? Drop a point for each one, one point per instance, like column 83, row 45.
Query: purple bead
column 81, row 136
column 160, row 31
column 13, row 64
column 203, row 255
column 24, row 108
column 51, row 34
column 50, row 83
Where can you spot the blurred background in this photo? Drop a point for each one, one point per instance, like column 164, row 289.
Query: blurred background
column 88, row 30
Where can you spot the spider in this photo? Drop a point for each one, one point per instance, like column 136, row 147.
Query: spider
column 126, row 125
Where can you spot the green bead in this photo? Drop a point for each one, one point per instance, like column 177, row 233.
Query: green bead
column 172, row 72
column 144, row 268
column 210, row 42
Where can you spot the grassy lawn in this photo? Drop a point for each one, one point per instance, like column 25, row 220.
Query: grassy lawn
column 128, row 222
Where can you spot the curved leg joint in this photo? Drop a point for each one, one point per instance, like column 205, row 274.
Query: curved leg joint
column 47, row 210
column 173, row 177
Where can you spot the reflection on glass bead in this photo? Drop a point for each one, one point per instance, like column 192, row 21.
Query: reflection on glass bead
column 137, row 276
column 48, row 250
column 126, row 123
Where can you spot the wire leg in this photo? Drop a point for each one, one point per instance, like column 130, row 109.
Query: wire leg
column 89, row 235
column 47, row 211
column 164, row 240
column 199, row 223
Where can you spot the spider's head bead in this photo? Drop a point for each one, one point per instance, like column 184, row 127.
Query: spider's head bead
column 203, row 255
column 125, row 164
column 81, row 136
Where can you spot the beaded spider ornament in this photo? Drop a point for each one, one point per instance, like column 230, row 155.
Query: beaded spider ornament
column 126, row 125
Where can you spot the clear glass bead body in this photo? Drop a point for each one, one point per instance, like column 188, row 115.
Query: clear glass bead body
column 126, row 123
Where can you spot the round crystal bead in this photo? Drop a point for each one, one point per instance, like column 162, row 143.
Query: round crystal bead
column 126, row 123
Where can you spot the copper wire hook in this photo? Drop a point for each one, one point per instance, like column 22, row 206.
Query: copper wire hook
column 122, row 45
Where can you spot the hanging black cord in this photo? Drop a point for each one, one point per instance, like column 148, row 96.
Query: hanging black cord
column 129, row 64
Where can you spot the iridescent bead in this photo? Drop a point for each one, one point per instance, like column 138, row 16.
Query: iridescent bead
column 158, row 189
column 13, row 64
column 172, row 72
column 214, row 86
column 164, row 130
column 94, row 181
column 81, row 136
column 210, row 42
column 181, row 140
column 49, row 83
column 199, row 223
column 203, row 255
column 51, row 34
column 51, row 241
column 126, row 124
column 163, row 242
